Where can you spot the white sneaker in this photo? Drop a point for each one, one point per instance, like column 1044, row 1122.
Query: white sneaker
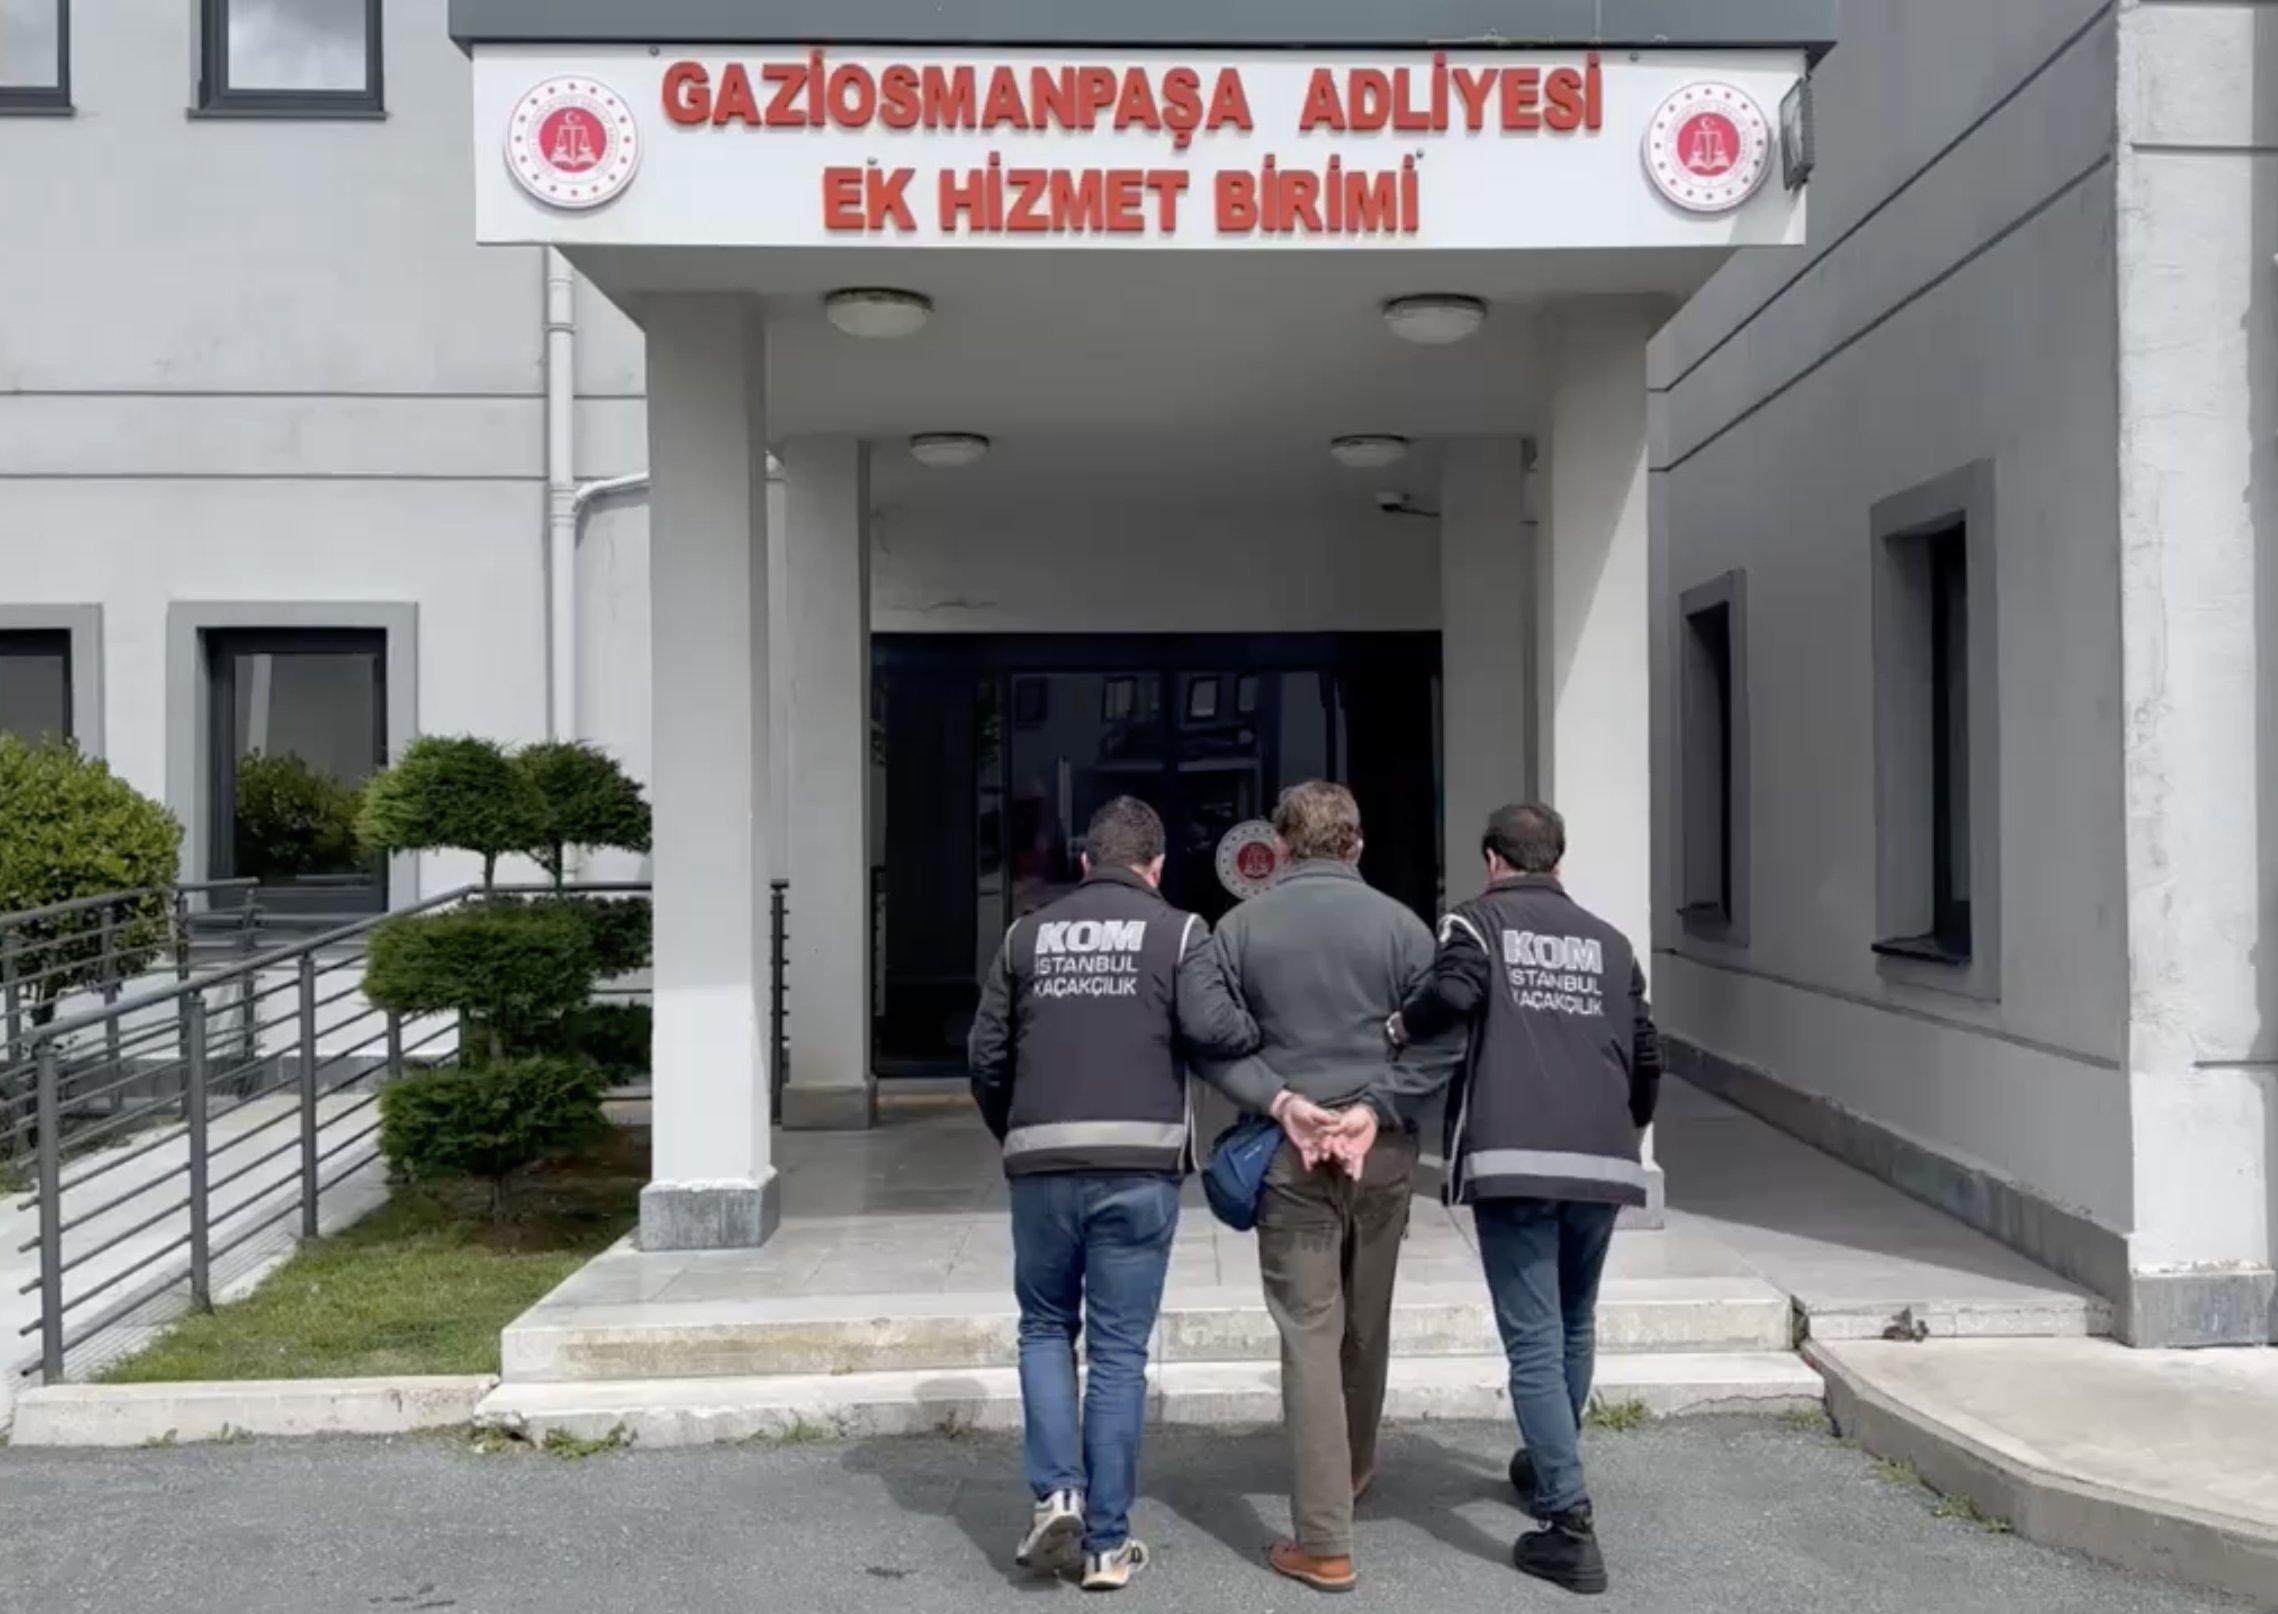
column 1053, row 1533
column 1112, row 1571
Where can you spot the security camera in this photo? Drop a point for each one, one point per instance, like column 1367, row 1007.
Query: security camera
column 1391, row 500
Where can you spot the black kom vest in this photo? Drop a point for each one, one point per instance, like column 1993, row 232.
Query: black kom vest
column 1098, row 1084
column 1544, row 1108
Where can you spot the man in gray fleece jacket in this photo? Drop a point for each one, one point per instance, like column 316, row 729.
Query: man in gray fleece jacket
column 1322, row 959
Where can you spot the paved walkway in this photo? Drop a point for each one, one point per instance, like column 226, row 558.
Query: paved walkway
column 2157, row 1459
column 911, row 1218
column 1710, row 1517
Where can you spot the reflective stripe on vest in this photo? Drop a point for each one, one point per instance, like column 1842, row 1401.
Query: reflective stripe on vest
column 1056, row 1135
column 1544, row 1163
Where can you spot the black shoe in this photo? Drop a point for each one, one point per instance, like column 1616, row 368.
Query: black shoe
column 1565, row 1553
column 1522, row 1478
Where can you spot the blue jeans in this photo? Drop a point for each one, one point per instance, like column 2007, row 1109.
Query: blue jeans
column 1543, row 1258
column 1089, row 1250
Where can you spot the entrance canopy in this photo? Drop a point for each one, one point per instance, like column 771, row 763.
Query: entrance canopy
column 1183, row 317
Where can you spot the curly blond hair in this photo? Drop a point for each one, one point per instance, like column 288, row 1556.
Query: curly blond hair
column 1318, row 820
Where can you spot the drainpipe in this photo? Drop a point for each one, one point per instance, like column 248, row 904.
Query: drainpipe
column 561, row 498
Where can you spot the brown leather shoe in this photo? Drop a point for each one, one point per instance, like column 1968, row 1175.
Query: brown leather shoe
column 1322, row 1574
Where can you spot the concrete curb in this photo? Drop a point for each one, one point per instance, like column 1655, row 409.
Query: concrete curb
column 796, row 1409
column 170, row 1414
column 2129, row 1529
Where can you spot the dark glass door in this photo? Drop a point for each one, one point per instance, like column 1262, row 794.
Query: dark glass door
column 997, row 750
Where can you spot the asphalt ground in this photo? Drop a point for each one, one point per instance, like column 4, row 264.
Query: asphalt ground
column 1710, row 1516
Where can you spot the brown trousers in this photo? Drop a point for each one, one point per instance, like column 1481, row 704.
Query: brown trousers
column 1329, row 1248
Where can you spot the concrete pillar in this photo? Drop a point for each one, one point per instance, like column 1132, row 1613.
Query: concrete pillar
column 1595, row 764
column 1487, row 598
column 826, row 750
column 714, row 1187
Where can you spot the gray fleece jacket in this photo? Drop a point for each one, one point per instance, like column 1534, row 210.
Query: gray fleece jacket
column 1323, row 959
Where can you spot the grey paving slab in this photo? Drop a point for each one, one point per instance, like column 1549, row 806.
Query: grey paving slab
column 1701, row 1517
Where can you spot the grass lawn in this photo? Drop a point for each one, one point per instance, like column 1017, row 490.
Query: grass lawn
column 422, row 1285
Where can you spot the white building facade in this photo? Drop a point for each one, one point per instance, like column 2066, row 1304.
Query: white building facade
column 1928, row 693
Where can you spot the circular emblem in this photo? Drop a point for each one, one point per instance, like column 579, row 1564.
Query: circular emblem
column 1708, row 148
column 1248, row 858
column 572, row 143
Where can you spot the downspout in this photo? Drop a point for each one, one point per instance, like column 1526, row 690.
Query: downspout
column 568, row 501
column 561, row 498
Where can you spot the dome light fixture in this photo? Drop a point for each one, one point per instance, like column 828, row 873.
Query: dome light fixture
column 876, row 313
column 1438, row 319
column 1368, row 452
column 948, row 451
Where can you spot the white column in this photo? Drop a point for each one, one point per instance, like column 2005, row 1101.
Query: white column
column 826, row 750
column 1596, row 762
column 714, row 1187
column 1487, row 594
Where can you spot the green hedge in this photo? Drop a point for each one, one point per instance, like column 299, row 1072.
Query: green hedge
column 449, row 794
column 585, row 799
column 292, row 819
column 513, row 970
column 491, row 1121
column 71, row 828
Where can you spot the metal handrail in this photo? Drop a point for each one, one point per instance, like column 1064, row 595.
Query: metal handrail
column 234, row 1038
column 56, row 910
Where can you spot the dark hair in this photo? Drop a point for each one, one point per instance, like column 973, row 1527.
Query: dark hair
column 1124, row 834
column 1527, row 836
column 1317, row 820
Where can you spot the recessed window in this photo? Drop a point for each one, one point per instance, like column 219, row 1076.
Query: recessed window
column 35, row 55
column 1936, row 760
column 298, row 724
column 306, row 58
column 35, row 681
column 1713, row 760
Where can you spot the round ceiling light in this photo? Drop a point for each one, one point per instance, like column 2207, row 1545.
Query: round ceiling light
column 1436, row 320
column 948, row 451
column 877, row 314
column 1368, row 453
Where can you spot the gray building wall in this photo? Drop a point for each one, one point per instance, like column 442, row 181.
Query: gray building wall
column 259, row 359
column 2040, row 259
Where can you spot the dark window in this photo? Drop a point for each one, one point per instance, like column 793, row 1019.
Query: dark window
column 1926, row 743
column 1031, row 702
column 1708, row 762
column 35, row 679
column 298, row 58
column 298, row 724
column 1950, row 740
column 35, row 55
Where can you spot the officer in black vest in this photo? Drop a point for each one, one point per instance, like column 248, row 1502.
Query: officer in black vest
column 1078, row 1056
column 1543, row 1143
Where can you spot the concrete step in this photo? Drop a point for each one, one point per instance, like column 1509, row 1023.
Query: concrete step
column 839, row 1335
column 795, row 1408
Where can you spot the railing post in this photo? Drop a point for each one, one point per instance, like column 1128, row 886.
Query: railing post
column 248, row 994
column 181, row 937
column 12, row 984
column 50, row 1102
column 395, row 1046
column 308, row 1096
column 778, row 1004
column 194, row 1097
column 110, row 985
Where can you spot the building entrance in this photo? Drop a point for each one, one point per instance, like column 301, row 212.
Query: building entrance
column 996, row 749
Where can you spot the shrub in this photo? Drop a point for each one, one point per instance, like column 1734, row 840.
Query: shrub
column 490, row 1122
column 70, row 828
column 623, row 933
column 292, row 819
column 585, row 799
column 454, row 795
column 512, row 969
column 614, row 1036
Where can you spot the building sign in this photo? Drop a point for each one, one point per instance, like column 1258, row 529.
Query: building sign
column 1249, row 856
column 1441, row 150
